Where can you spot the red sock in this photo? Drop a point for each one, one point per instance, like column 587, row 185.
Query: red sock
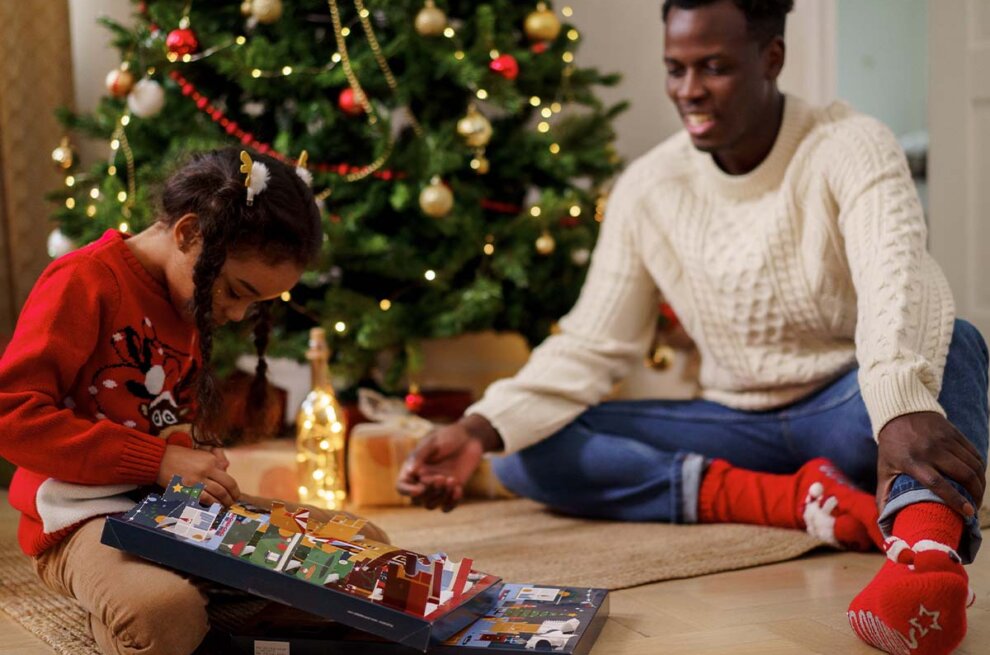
column 916, row 604
column 818, row 498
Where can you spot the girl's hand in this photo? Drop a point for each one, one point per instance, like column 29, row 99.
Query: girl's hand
column 194, row 466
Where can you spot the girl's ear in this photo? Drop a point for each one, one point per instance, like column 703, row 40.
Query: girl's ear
column 185, row 231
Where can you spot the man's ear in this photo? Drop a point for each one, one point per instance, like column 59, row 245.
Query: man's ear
column 773, row 58
column 185, row 231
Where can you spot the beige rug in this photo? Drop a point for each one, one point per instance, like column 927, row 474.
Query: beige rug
column 516, row 539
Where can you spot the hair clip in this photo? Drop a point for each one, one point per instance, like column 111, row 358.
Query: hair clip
column 301, row 171
column 256, row 176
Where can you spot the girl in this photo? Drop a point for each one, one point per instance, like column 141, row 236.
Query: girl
column 108, row 361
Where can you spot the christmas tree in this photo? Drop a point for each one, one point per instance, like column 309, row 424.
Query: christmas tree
column 458, row 150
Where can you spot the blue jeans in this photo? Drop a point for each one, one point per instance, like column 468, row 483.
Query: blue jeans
column 644, row 460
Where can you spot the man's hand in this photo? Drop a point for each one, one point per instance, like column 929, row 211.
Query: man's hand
column 435, row 473
column 206, row 466
column 927, row 447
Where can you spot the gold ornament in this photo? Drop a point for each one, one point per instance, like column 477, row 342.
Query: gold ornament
column 480, row 164
column 63, row 156
column 542, row 24
column 430, row 21
column 246, row 8
column 661, row 358
column 545, row 244
column 120, row 81
column 475, row 128
column 266, row 11
column 436, row 199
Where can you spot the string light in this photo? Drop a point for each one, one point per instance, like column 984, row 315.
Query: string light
column 535, row 211
column 449, row 32
column 555, row 148
column 124, row 227
column 345, row 31
column 241, row 40
column 122, row 196
column 385, row 304
column 69, row 180
column 125, row 120
column 111, row 170
column 340, row 326
column 567, row 11
column 459, row 55
column 568, row 57
column 573, row 34
column 493, row 53
column 489, row 249
column 286, row 296
column 114, row 144
column 482, row 94
column 543, row 127
column 535, row 101
column 256, row 73
column 287, row 70
column 546, row 112
column 575, row 211
column 430, row 275
column 70, row 203
column 91, row 210
column 335, row 58
column 555, row 107
column 94, row 193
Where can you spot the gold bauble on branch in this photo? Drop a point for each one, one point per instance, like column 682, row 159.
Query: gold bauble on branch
column 266, row 11
column 430, row 21
column 542, row 24
column 436, row 199
column 120, row 81
column 545, row 243
column 474, row 128
column 63, row 155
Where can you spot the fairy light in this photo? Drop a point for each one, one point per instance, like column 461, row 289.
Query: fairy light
column 335, row 57
column 125, row 120
column 94, row 193
column 535, row 101
column 111, row 170
column 345, row 31
column 568, row 57
column 573, row 34
column 241, row 40
column 91, row 210
column 534, row 211
column 286, row 296
column 489, row 248
column 340, row 326
column 567, row 11
column 482, row 94
column 69, row 180
column 287, row 70
column 459, row 55
column 122, row 196
column 70, row 203
column 385, row 304
column 493, row 53
column 319, row 474
column 555, row 148
column 555, row 107
column 172, row 57
column 364, row 13
column 449, row 32
column 430, row 275
column 124, row 227
column 115, row 144
column 546, row 112
column 256, row 73
column 186, row 58
column 543, row 127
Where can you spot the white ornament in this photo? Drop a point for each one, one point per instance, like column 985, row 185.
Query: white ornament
column 253, row 108
column 59, row 244
column 146, row 99
column 306, row 176
column 580, row 256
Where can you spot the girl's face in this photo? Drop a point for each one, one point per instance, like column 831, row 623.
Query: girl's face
column 246, row 278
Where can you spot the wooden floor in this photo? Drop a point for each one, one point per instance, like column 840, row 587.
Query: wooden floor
column 793, row 608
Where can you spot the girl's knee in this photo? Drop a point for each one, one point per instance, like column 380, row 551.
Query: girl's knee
column 170, row 619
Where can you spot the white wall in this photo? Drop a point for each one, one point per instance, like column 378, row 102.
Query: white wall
column 882, row 48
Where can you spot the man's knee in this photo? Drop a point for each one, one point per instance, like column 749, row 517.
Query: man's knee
column 969, row 342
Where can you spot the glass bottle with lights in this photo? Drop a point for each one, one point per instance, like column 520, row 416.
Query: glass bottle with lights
column 320, row 434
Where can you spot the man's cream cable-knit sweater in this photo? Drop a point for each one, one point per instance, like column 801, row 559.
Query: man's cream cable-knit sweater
column 785, row 277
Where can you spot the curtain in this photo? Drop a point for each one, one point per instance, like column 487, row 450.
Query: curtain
column 35, row 78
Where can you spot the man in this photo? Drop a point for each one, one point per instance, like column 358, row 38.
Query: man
column 791, row 243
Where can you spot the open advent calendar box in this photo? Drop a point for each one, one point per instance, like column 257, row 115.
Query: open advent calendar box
column 376, row 597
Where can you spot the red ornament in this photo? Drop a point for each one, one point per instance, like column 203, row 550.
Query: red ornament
column 348, row 103
column 414, row 401
column 539, row 47
column 506, row 66
column 181, row 41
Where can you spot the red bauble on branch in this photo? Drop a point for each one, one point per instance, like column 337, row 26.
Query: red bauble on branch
column 506, row 66
column 350, row 102
column 181, row 41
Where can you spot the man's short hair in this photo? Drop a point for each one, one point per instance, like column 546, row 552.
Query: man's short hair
column 765, row 19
